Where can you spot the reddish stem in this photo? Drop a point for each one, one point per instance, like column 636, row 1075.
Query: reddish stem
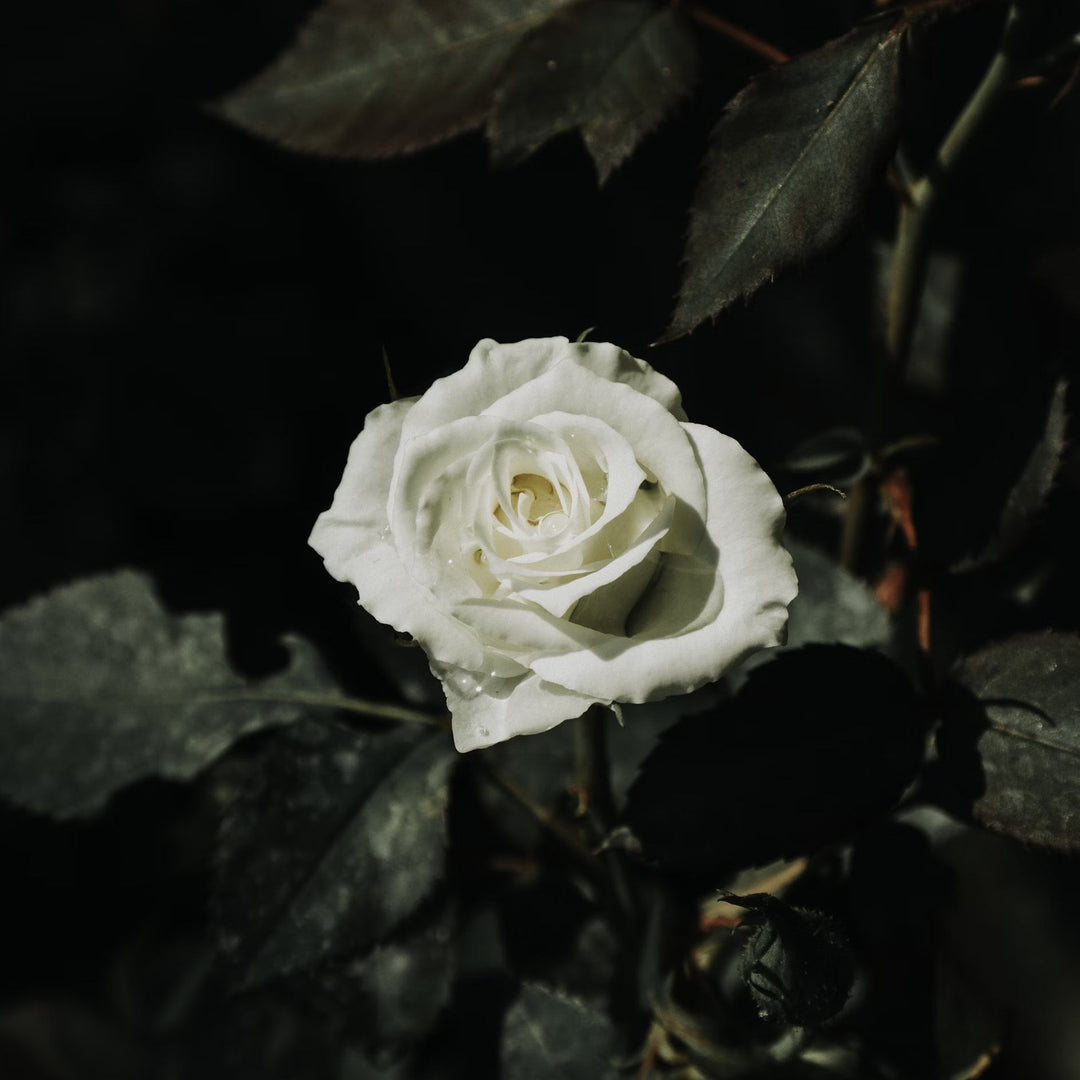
column 736, row 34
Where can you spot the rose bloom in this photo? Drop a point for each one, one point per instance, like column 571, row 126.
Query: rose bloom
column 552, row 531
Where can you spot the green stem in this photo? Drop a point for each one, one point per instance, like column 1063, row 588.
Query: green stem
column 376, row 709
column 594, row 790
column 593, row 769
column 558, row 832
column 910, row 254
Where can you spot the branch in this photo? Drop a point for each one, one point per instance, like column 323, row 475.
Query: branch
column 909, row 257
column 736, row 33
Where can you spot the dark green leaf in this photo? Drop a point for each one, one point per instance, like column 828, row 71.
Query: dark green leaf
column 817, row 742
column 1009, row 743
column 391, row 997
column 374, row 78
column 798, row 965
column 551, row 1037
column 337, row 838
column 833, row 605
column 611, row 68
column 100, row 687
column 789, row 167
column 1031, row 488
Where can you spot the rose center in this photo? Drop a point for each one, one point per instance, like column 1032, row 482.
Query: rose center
column 538, row 503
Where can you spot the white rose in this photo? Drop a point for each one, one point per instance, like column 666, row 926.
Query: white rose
column 551, row 530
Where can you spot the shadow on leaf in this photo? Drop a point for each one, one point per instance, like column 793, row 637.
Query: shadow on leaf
column 817, row 744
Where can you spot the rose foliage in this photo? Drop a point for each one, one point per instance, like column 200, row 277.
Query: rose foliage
column 554, row 533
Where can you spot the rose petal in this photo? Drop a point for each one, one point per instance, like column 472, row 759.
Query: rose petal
column 659, row 441
column 419, row 492
column 610, row 362
column 526, row 632
column 488, row 711
column 353, row 539
column 745, row 520
column 588, row 437
column 494, row 370
column 559, row 599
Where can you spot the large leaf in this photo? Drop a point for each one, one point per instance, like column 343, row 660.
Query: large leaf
column 100, row 687
column 611, row 68
column 789, row 167
column 1010, row 738
column 373, row 78
column 548, row 1036
column 336, row 838
column 817, row 743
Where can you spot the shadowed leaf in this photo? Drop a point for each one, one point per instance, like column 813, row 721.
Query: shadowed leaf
column 817, row 743
column 833, row 605
column 374, row 78
column 788, row 168
column 611, row 68
column 796, row 964
column 101, row 687
column 551, row 1037
column 1028, row 494
column 337, row 837
column 1010, row 739
column 392, row 996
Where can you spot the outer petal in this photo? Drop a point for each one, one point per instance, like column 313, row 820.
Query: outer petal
column 617, row 365
column 494, row 370
column 498, row 709
column 746, row 516
column 353, row 537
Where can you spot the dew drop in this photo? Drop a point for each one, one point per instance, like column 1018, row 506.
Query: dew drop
column 464, row 683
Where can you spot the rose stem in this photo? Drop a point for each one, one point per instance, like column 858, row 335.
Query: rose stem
column 597, row 804
column 736, row 33
column 563, row 836
column 908, row 270
column 593, row 782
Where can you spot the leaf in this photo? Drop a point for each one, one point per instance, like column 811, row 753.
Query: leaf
column 612, row 68
column 547, row 1036
column 798, row 965
column 391, row 997
column 336, row 839
column 1009, row 743
column 408, row 983
column 101, row 687
column 835, row 456
column 816, row 744
column 788, row 168
column 1028, row 494
column 833, row 605
column 374, row 78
